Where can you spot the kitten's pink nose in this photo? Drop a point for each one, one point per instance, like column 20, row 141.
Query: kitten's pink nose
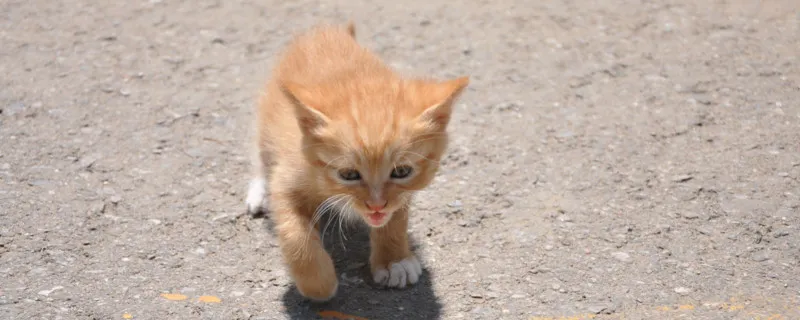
column 376, row 206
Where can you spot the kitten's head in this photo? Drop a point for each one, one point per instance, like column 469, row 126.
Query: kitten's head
column 375, row 142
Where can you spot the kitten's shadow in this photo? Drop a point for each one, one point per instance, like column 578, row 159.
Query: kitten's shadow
column 358, row 296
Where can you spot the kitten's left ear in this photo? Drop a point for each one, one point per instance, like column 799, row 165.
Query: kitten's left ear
column 439, row 98
column 351, row 29
column 306, row 107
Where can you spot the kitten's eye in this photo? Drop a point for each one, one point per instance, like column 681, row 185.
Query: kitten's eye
column 349, row 174
column 401, row 172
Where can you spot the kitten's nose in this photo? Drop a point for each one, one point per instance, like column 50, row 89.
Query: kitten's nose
column 376, row 206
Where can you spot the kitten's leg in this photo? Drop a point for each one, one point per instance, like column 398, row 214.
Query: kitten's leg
column 256, row 194
column 392, row 262
column 257, row 190
column 309, row 264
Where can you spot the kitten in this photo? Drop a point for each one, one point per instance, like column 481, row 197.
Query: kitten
column 338, row 129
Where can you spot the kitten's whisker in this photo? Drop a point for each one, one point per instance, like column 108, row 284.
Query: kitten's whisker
column 320, row 211
column 419, row 155
column 428, row 137
column 332, row 161
column 331, row 206
column 348, row 207
column 345, row 215
column 325, row 230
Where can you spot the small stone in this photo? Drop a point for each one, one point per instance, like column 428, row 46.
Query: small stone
column 565, row 218
column 621, row 256
column 87, row 161
column 154, row 221
column 578, row 82
column 548, row 247
column 682, row 290
column 97, row 207
column 600, row 309
column 704, row 231
column 760, row 256
column 690, row 215
column 115, row 199
column 240, row 292
column 506, row 106
column 476, row 295
column 200, row 251
column 540, row 270
column 682, row 178
column 125, row 92
column 455, row 204
column 780, row 233
column 48, row 292
column 220, row 217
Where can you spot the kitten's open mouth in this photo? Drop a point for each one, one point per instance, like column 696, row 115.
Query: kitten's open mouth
column 376, row 219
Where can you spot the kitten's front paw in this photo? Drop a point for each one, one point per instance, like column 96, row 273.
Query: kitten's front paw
column 318, row 290
column 256, row 194
column 398, row 274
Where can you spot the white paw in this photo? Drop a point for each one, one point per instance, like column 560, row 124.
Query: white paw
column 256, row 194
column 399, row 273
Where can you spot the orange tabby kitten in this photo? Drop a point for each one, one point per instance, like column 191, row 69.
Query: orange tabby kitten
column 338, row 129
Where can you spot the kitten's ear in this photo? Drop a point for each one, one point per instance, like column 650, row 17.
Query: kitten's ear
column 439, row 99
column 306, row 107
column 351, row 29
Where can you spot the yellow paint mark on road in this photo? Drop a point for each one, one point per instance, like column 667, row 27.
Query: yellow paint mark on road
column 173, row 296
column 663, row 308
column 686, row 307
column 338, row 315
column 209, row 299
column 127, row 316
